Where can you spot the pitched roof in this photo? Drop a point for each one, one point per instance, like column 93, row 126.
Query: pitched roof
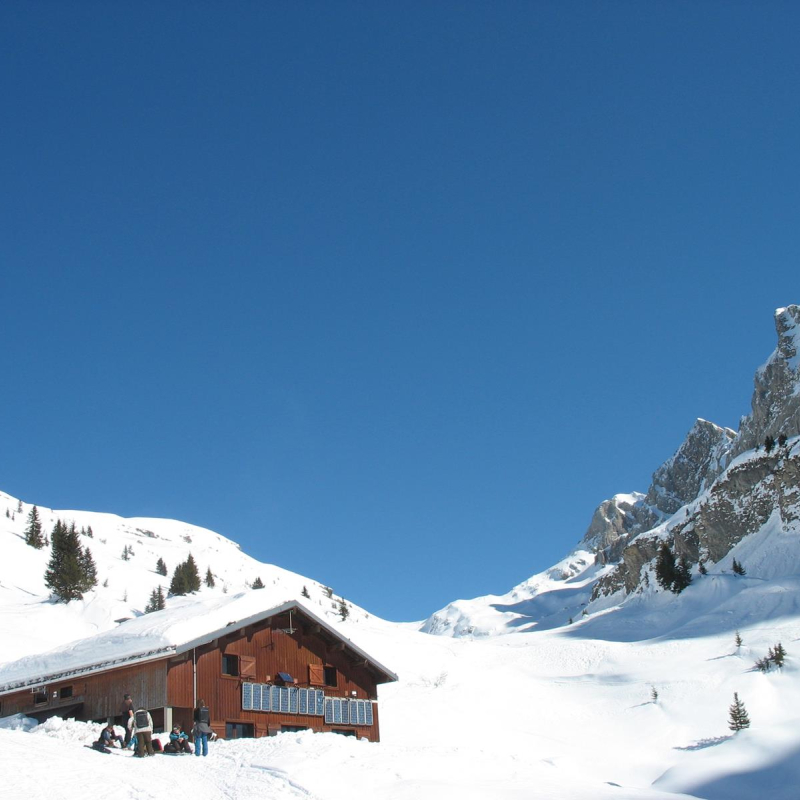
column 188, row 623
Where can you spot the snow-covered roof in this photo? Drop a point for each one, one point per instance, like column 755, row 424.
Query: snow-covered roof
column 188, row 623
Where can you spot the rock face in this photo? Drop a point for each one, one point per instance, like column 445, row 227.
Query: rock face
column 717, row 489
column 776, row 398
column 700, row 460
column 679, row 480
column 725, row 498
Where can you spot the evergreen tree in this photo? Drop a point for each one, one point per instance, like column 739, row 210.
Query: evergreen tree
column 344, row 611
column 210, row 579
column 305, row 593
column 769, row 443
column 738, row 568
column 161, row 567
column 683, row 575
column 653, row 694
column 126, row 553
column 33, row 532
column 738, row 719
column 782, row 440
column 185, row 579
column 702, row 569
column 88, row 569
column 65, row 575
column 90, row 532
column 738, row 640
column 156, row 602
column 258, row 584
column 778, row 655
column 665, row 567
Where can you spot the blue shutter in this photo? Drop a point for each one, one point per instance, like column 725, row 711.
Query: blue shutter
column 302, row 701
column 329, row 711
column 368, row 707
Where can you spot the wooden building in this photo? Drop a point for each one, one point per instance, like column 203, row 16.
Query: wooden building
column 283, row 669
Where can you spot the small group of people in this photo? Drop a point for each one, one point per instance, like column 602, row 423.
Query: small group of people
column 139, row 727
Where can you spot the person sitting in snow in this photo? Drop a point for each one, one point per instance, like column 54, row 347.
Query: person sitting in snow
column 178, row 741
column 108, row 736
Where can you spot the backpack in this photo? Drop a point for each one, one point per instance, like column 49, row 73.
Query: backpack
column 203, row 715
column 140, row 719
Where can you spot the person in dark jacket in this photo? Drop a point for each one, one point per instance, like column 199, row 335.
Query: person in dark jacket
column 127, row 712
column 202, row 729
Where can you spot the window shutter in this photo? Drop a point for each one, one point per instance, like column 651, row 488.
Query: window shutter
column 247, row 667
column 316, row 674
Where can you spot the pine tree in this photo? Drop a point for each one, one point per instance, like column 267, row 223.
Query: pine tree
column 344, row 611
column 653, row 694
column 161, row 567
column 157, row 601
column 66, row 572
column 210, row 579
column 305, row 593
column 738, row 568
column 665, row 567
column 185, row 579
column 782, row 439
column 33, row 532
column 683, row 575
column 738, row 640
column 258, row 584
column 769, row 443
column 738, row 719
column 126, row 553
column 88, row 569
column 778, row 655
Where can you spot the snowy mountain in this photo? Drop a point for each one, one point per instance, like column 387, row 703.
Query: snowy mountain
column 585, row 682
column 722, row 496
column 126, row 552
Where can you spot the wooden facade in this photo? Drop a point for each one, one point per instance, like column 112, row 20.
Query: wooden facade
column 287, row 647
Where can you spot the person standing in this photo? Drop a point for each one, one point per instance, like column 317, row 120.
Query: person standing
column 142, row 725
column 202, row 729
column 127, row 712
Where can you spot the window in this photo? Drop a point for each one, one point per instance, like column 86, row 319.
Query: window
column 330, row 676
column 40, row 697
column 230, row 665
column 64, row 692
column 344, row 731
column 239, row 730
column 293, row 728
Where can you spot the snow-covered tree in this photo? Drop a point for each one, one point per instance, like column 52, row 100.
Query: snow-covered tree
column 33, row 530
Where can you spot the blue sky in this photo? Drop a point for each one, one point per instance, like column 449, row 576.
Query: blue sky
column 391, row 294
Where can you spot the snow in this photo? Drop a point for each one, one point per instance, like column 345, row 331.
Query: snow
column 546, row 710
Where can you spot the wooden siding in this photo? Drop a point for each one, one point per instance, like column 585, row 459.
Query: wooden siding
column 96, row 697
column 268, row 649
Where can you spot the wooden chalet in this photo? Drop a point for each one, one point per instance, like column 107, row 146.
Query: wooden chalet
column 283, row 669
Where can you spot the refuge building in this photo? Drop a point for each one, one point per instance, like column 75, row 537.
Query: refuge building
column 260, row 672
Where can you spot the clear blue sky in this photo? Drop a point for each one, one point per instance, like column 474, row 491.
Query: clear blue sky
column 393, row 294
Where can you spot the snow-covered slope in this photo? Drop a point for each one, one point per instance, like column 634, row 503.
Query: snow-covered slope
column 31, row 624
